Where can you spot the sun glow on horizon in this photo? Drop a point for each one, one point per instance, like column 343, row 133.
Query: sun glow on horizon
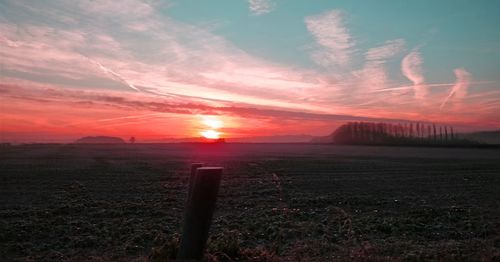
column 210, row 134
column 212, row 123
column 141, row 68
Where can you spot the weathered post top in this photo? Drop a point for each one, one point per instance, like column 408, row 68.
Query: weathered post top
column 194, row 167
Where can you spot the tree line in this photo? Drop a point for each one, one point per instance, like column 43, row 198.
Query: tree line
column 408, row 133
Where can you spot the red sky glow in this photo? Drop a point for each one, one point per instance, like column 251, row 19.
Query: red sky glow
column 153, row 71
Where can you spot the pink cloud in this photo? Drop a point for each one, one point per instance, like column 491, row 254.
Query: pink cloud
column 132, row 9
column 373, row 75
column 200, row 67
column 332, row 36
column 459, row 91
column 44, row 49
column 386, row 51
column 411, row 66
column 185, row 69
column 259, row 7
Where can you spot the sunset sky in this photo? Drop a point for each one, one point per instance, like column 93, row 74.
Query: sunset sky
column 172, row 69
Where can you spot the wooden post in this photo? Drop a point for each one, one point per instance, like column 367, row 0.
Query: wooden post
column 199, row 212
column 194, row 166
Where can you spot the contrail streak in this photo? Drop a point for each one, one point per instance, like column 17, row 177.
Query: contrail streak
column 115, row 75
column 129, row 117
column 429, row 85
column 118, row 118
column 146, row 89
column 130, row 122
column 459, row 89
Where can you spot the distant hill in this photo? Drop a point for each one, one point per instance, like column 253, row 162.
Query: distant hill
column 100, row 140
column 322, row 139
column 487, row 137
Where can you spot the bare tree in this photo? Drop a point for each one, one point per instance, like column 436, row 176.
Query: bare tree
column 435, row 133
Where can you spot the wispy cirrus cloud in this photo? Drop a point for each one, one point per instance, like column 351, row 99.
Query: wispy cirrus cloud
column 411, row 66
column 373, row 73
column 132, row 9
column 459, row 91
column 388, row 50
column 332, row 36
column 259, row 7
column 188, row 59
column 149, row 103
column 156, row 64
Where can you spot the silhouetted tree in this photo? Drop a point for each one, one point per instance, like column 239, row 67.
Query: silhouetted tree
column 400, row 130
column 355, row 129
column 435, row 133
column 350, row 130
column 371, row 133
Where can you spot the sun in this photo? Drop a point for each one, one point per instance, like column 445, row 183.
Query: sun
column 210, row 134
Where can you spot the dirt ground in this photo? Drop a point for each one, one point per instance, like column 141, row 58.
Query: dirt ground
column 286, row 202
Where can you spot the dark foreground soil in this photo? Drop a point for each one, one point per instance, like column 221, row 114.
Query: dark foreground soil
column 277, row 202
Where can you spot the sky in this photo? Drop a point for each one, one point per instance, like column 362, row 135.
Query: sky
column 158, row 69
